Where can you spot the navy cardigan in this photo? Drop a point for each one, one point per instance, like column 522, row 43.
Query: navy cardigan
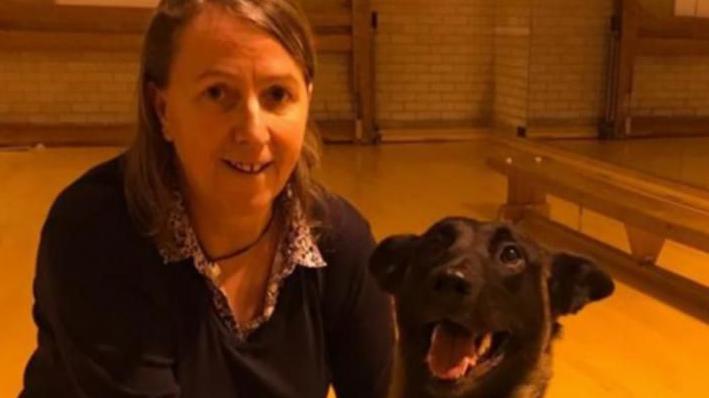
column 114, row 321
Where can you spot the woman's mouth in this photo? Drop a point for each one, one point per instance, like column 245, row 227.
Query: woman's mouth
column 248, row 167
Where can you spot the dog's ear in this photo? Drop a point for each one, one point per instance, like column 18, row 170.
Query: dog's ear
column 389, row 260
column 576, row 281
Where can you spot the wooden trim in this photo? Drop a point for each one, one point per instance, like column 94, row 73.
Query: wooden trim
column 68, row 41
column 334, row 43
column 673, row 47
column 336, row 130
column 71, row 134
column 50, row 27
column 624, row 70
column 363, row 68
column 105, row 41
column 562, row 128
column 674, row 126
column 18, row 15
column 678, row 291
column 423, row 134
column 678, row 27
column 94, row 19
column 323, row 20
column 66, row 134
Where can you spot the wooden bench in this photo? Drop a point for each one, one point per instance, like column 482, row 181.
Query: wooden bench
column 649, row 220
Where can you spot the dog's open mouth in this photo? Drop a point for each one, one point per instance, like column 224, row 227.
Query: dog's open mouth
column 455, row 352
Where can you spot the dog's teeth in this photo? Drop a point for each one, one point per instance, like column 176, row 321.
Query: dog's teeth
column 485, row 344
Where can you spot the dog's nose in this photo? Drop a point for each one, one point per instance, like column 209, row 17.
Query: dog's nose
column 452, row 282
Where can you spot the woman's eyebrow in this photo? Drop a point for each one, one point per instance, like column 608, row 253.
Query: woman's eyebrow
column 215, row 72
column 275, row 77
column 285, row 77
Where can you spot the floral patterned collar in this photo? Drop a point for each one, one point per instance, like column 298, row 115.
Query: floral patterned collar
column 296, row 248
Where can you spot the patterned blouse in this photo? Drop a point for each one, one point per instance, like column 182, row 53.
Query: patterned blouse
column 297, row 247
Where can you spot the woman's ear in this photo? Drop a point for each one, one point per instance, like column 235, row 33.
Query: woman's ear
column 309, row 89
column 159, row 103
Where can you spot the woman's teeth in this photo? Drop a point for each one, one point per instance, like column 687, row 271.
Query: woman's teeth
column 249, row 168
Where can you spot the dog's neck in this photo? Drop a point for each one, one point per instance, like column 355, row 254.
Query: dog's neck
column 537, row 381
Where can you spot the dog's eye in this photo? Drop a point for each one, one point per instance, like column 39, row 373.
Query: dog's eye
column 510, row 255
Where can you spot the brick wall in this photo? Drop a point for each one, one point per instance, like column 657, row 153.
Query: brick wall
column 568, row 60
column 47, row 88
column 99, row 87
column 511, row 62
column 671, row 87
column 515, row 62
column 434, row 61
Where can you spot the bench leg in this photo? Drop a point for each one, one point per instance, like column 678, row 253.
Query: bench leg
column 522, row 196
column 644, row 246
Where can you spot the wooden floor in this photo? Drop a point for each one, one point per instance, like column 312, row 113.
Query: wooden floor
column 628, row 346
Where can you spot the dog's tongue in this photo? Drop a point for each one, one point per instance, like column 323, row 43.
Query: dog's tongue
column 451, row 353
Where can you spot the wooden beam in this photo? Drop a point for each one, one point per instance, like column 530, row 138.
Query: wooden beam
column 627, row 45
column 330, row 19
column 107, row 41
column 673, row 27
column 334, row 43
column 673, row 47
column 69, row 41
column 669, row 191
column 363, row 67
column 66, row 134
column 522, row 194
column 336, row 130
column 51, row 17
column 16, row 15
column 674, row 126
column 665, row 218
column 678, row 291
column 645, row 247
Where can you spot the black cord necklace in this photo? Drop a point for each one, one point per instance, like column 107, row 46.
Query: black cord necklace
column 246, row 248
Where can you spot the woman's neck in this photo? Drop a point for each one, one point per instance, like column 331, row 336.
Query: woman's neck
column 222, row 231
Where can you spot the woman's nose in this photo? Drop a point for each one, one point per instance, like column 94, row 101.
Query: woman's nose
column 250, row 126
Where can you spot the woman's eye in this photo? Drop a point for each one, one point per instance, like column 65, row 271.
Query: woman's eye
column 278, row 95
column 216, row 93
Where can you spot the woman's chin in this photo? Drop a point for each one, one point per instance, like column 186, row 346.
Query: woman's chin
column 248, row 202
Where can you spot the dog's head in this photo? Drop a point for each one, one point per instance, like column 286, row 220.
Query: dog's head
column 477, row 304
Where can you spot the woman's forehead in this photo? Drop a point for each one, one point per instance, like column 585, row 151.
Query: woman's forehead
column 218, row 40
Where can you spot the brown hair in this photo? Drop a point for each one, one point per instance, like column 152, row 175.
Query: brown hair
column 150, row 174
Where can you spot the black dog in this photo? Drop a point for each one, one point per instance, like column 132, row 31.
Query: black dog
column 477, row 306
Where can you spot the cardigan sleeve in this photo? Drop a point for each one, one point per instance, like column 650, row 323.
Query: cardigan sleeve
column 360, row 333
column 101, row 333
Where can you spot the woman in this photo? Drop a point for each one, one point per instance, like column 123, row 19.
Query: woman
column 205, row 262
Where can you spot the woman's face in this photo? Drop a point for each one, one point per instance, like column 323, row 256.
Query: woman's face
column 235, row 109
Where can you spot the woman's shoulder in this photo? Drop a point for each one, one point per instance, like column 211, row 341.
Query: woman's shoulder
column 89, row 233
column 90, row 219
column 345, row 237
column 98, row 191
column 343, row 218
